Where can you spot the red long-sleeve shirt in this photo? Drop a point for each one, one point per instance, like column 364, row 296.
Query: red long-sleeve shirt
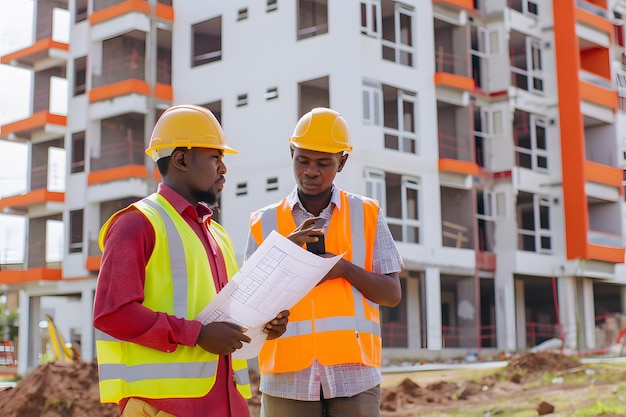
column 118, row 310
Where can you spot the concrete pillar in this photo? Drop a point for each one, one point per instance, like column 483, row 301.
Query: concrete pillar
column 433, row 308
column 29, row 339
column 589, row 314
column 35, row 347
column 86, row 330
column 23, row 339
column 413, row 315
column 520, row 316
column 567, row 310
column 505, row 304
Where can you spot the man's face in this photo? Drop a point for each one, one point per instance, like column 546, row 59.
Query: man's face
column 206, row 171
column 315, row 171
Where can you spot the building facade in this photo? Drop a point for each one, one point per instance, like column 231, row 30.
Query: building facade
column 490, row 131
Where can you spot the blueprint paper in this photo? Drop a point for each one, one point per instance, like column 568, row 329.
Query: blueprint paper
column 276, row 276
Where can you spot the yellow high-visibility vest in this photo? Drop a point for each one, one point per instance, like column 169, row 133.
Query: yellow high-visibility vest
column 178, row 282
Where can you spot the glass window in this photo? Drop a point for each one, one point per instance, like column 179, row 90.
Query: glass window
column 207, row 41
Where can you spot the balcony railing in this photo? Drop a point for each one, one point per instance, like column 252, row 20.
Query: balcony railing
column 164, row 72
column 595, row 79
column 605, row 239
column 592, row 8
column 105, row 4
column 451, row 147
column 451, row 63
column 118, row 154
column 130, row 66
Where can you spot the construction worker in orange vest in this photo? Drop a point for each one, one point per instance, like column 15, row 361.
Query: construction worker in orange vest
column 327, row 363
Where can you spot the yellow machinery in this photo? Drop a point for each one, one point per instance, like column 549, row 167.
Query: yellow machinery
column 62, row 352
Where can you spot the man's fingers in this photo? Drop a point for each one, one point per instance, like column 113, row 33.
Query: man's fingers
column 309, row 223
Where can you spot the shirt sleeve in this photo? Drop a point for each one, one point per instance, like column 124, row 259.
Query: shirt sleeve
column 118, row 308
column 387, row 259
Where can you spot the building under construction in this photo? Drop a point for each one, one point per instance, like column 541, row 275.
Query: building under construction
column 490, row 131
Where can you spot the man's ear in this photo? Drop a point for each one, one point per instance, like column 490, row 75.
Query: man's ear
column 179, row 160
column 342, row 161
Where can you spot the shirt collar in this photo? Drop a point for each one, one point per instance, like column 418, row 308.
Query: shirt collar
column 181, row 205
column 293, row 199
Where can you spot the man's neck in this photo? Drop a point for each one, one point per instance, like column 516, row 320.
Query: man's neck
column 314, row 204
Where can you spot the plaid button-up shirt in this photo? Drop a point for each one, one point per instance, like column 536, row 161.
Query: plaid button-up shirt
column 345, row 380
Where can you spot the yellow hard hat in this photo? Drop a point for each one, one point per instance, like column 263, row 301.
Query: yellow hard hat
column 186, row 126
column 322, row 130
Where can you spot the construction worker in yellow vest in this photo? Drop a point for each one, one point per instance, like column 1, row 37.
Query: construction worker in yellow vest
column 328, row 361
column 164, row 260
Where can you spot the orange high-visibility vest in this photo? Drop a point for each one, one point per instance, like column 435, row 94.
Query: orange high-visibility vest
column 334, row 323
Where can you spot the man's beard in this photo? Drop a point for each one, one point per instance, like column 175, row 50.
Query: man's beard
column 209, row 197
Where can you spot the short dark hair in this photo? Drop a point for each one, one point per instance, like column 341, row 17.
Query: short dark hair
column 163, row 163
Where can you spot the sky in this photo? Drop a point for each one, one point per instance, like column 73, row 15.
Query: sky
column 15, row 33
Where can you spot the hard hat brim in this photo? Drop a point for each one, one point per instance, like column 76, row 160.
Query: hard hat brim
column 153, row 152
column 320, row 148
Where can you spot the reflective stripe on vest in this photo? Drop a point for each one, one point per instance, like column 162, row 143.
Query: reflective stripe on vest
column 365, row 321
column 127, row 369
column 178, row 268
column 242, row 376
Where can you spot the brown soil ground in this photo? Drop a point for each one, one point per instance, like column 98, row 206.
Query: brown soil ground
column 521, row 385
column 71, row 390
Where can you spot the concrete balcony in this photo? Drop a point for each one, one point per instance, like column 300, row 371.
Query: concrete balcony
column 34, row 203
column 43, row 54
column 39, row 127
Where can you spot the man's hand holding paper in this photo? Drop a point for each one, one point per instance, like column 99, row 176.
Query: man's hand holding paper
column 271, row 281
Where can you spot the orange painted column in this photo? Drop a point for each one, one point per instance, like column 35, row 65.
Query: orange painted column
column 572, row 129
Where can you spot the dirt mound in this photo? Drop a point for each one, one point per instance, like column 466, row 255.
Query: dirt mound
column 408, row 395
column 533, row 365
column 70, row 390
column 57, row 390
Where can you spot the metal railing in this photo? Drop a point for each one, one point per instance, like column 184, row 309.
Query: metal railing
column 450, row 146
column 451, row 63
column 118, row 154
column 394, row 334
column 540, row 332
column 452, row 335
column 126, row 67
